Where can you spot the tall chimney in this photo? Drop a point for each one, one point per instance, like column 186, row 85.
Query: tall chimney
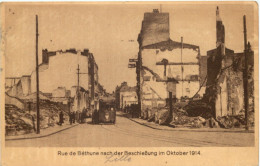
column 220, row 30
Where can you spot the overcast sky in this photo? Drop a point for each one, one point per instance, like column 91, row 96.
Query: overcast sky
column 106, row 30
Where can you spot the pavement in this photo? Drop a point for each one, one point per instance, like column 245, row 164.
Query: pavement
column 56, row 129
column 168, row 128
column 128, row 133
column 43, row 132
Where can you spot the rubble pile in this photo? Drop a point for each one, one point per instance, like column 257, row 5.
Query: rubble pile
column 151, row 115
column 144, row 114
column 198, row 122
column 251, row 118
column 194, row 114
column 25, row 122
column 235, row 121
column 162, row 116
column 198, row 108
column 180, row 105
column 17, row 119
column 50, row 113
column 181, row 119
column 14, row 101
column 229, row 122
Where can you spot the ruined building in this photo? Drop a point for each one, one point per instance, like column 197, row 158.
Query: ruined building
column 125, row 96
column 224, row 87
column 58, row 79
column 18, row 86
column 161, row 58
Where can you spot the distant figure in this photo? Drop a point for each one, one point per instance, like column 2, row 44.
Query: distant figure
column 83, row 115
column 73, row 117
column 70, row 117
column 95, row 116
column 87, row 113
column 77, row 116
column 127, row 108
column 61, row 118
column 82, row 118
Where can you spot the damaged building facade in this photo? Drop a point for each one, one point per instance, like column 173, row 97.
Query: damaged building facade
column 60, row 81
column 224, row 87
column 161, row 59
column 125, row 95
column 18, row 86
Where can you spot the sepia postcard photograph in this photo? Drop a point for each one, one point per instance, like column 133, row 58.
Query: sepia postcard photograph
column 129, row 83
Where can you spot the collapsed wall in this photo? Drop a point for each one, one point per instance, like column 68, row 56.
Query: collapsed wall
column 24, row 119
column 9, row 100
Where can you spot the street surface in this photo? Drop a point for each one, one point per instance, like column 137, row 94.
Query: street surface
column 126, row 133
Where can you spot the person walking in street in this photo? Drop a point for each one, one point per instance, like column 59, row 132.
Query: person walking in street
column 61, row 118
column 70, row 117
column 94, row 116
column 83, row 115
column 73, row 117
column 77, row 116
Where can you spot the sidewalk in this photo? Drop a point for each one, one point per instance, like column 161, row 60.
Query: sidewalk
column 43, row 132
column 168, row 128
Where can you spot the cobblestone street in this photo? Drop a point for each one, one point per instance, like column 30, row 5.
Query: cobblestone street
column 126, row 133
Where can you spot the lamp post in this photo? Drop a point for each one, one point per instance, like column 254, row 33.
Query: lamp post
column 245, row 76
column 135, row 63
column 37, row 81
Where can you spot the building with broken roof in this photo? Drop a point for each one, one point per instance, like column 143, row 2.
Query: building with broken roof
column 18, row 86
column 224, row 87
column 59, row 68
column 125, row 96
column 177, row 60
column 58, row 77
column 162, row 58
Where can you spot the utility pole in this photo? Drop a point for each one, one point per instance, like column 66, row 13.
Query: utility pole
column 92, row 80
column 78, row 89
column 135, row 63
column 69, row 104
column 245, row 74
column 171, row 85
column 139, row 87
column 170, row 102
column 181, row 67
column 78, row 95
column 37, row 81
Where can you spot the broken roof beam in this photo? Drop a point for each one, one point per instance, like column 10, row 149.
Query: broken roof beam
column 170, row 45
